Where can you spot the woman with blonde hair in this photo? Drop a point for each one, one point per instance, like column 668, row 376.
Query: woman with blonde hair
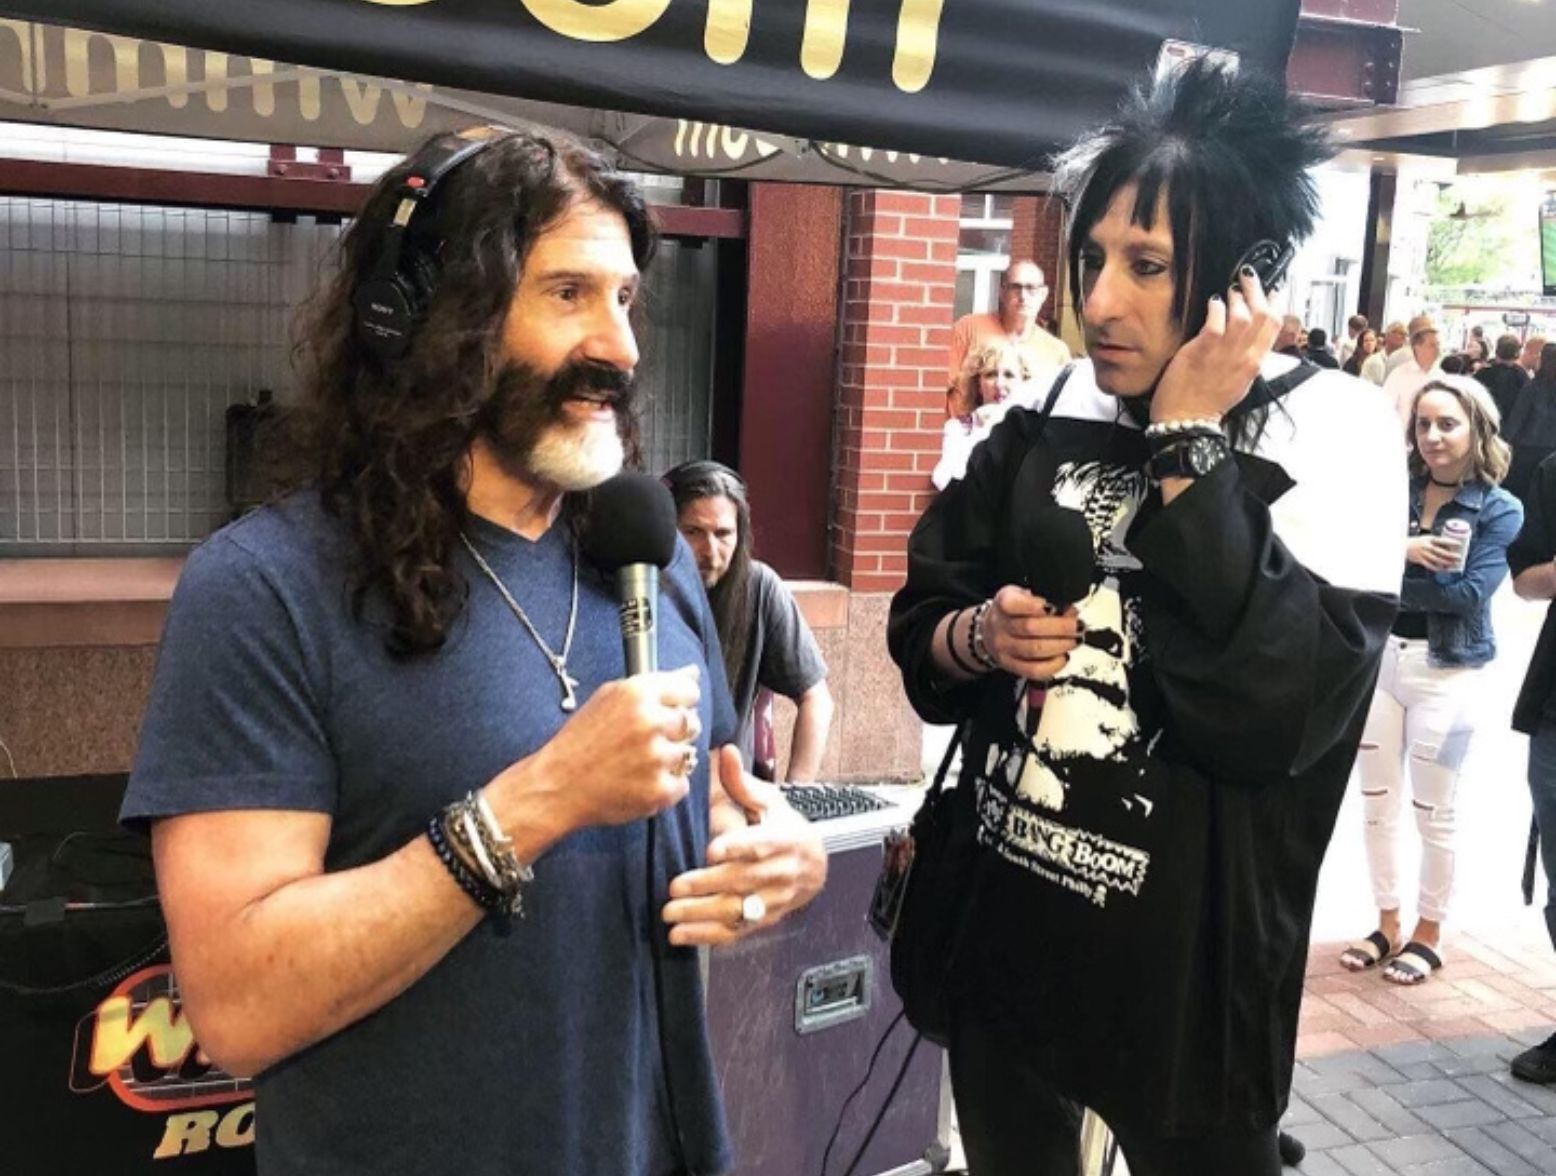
column 995, row 378
column 1461, row 522
column 992, row 374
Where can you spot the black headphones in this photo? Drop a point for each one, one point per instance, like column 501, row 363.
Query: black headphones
column 392, row 299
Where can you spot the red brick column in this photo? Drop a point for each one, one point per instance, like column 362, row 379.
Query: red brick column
column 899, row 286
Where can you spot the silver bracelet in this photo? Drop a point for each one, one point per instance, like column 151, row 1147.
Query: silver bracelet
column 467, row 821
column 1185, row 425
column 980, row 648
column 492, row 858
column 496, row 838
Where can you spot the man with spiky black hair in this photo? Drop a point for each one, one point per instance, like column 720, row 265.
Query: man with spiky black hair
column 1154, row 771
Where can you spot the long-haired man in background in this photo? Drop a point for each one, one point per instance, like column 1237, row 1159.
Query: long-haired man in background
column 768, row 648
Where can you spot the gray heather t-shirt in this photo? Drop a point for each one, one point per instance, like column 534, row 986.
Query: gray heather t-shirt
column 782, row 653
column 535, row 1054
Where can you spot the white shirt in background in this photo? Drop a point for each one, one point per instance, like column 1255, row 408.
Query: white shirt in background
column 1374, row 368
column 1402, row 385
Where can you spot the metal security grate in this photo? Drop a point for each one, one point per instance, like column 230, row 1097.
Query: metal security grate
column 675, row 373
column 125, row 332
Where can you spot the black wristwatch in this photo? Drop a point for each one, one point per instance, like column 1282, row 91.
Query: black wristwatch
column 1192, row 457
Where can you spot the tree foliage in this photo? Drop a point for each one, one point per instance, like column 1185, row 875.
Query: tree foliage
column 1473, row 251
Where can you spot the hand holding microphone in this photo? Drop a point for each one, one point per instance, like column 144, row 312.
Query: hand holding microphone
column 1030, row 629
column 1024, row 634
column 629, row 752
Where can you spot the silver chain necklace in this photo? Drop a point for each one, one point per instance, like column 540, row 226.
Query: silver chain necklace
column 558, row 660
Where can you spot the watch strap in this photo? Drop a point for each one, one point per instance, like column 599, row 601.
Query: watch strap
column 1190, row 457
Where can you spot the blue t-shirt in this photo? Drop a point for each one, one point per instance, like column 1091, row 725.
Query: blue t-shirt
column 535, row 1053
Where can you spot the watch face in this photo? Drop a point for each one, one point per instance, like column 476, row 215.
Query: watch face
column 1189, row 459
column 1205, row 454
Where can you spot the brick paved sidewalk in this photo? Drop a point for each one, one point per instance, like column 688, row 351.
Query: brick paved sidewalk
column 1414, row 1081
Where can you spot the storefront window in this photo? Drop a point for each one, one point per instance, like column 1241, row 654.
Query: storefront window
column 983, row 250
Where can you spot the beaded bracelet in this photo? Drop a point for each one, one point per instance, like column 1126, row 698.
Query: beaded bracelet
column 1193, row 426
column 975, row 640
column 499, row 869
column 484, row 896
column 950, row 646
column 490, row 874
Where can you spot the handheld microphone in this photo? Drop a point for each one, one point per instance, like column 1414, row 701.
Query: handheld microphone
column 1055, row 553
column 630, row 532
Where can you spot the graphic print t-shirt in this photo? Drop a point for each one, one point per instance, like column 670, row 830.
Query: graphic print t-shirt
column 1140, row 923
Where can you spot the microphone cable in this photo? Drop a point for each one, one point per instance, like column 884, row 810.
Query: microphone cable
column 891, row 1095
column 656, row 955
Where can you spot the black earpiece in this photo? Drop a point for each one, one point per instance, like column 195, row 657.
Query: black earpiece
column 395, row 295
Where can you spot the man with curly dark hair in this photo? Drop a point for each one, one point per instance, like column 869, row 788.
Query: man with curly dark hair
column 1151, row 774
column 398, row 788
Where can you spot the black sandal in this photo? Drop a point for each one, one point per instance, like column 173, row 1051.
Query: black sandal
column 1366, row 953
column 1414, row 965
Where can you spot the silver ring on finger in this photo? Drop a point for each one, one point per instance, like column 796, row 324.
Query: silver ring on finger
column 753, row 909
column 688, row 763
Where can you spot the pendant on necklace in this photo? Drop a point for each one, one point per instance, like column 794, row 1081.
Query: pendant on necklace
column 569, row 684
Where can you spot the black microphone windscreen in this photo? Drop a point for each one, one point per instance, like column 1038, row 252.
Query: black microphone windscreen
column 631, row 521
column 1055, row 551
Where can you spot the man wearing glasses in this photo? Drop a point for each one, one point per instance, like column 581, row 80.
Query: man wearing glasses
column 1022, row 292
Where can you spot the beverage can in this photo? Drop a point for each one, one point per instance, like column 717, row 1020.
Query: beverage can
column 1458, row 530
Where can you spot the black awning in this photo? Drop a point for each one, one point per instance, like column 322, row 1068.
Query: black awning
column 999, row 82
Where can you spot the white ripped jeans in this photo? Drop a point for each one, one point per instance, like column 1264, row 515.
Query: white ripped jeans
column 1422, row 716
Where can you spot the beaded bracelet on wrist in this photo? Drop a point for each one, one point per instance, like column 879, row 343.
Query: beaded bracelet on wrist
column 484, row 896
column 1196, row 426
column 489, row 873
column 472, row 823
column 975, row 638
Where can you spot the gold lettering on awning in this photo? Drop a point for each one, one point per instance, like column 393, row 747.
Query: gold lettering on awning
column 826, row 28
column 78, row 54
column 22, row 31
column 615, row 20
column 729, row 28
column 918, row 36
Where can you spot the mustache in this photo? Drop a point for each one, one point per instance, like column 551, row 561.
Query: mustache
column 591, row 379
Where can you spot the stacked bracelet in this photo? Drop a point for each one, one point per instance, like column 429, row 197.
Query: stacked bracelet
column 482, row 894
column 950, row 646
column 975, row 639
column 472, row 846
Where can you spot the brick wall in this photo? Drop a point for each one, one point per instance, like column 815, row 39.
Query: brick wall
column 899, row 286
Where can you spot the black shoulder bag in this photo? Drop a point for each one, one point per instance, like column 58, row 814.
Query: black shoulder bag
column 929, row 880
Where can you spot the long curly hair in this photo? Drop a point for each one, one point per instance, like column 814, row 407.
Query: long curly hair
column 386, row 444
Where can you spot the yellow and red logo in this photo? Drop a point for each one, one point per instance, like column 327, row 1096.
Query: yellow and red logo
column 140, row 1043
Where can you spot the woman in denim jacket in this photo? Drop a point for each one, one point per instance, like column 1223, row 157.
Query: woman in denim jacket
column 1422, row 710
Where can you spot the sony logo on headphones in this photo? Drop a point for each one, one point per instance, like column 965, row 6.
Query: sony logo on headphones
column 729, row 28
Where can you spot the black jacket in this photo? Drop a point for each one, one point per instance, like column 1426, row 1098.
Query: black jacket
column 1536, row 544
column 1505, row 381
column 1153, row 828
